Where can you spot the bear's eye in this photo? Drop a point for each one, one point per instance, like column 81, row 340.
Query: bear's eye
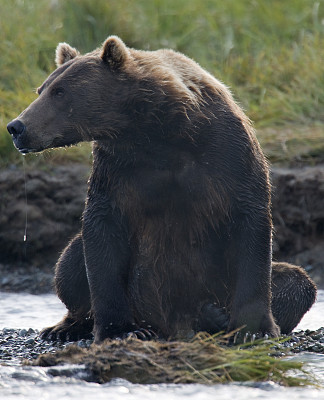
column 58, row 92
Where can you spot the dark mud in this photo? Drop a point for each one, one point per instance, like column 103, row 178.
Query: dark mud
column 298, row 217
column 55, row 201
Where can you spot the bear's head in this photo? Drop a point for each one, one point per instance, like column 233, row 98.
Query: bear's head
column 84, row 99
column 122, row 95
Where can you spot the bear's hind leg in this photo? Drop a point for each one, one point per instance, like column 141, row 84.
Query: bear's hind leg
column 293, row 294
column 73, row 290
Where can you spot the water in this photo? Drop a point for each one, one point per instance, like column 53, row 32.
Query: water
column 18, row 382
column 314, row 318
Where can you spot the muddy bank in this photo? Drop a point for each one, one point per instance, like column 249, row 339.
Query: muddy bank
column 55, row 201
column 298, row 217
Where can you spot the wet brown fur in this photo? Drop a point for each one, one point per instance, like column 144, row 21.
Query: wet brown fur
column 177, row 216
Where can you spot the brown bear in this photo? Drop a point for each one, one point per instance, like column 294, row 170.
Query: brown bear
column 176, row 232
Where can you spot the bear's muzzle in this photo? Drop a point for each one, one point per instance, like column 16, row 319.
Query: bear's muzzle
column 17, row 131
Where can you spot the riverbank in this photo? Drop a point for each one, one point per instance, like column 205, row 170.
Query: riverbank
column 55, row 200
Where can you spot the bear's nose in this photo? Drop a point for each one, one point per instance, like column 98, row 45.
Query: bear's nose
column 16, row 128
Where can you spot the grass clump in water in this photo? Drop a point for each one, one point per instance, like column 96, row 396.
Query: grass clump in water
column 202, row 360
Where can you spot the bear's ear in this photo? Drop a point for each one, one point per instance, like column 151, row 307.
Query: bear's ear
column 115, row 53
column 64, row 52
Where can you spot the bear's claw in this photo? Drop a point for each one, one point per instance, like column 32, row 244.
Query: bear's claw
column 141, row 334
column 68, row 331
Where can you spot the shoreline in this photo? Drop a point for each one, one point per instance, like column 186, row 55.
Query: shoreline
column 55, row 201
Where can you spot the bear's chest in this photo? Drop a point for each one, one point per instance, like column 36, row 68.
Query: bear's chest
column 183, row 194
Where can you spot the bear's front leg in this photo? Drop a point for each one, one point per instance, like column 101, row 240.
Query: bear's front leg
column 250, row 265
column 107, row 257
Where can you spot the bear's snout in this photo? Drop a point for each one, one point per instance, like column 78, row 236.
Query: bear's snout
column 16, row 128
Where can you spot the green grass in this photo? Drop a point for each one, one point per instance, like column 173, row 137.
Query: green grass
column 293, row 144
column 203, row 360
column 269, row 52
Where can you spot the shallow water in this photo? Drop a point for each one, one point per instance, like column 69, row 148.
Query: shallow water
column 18, row 382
